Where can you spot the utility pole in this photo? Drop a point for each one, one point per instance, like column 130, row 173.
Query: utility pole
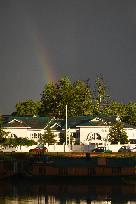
column 69, row 135
column 66, row 124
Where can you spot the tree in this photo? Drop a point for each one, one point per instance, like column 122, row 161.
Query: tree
column 48, row 99
column 47, row 137
column 101, row 99
column 3, row 134
column 27, row 108
column 129, row 115
column 117, row 134
column 114, row 108
column 126, row 112
column 77, row 96
column 82, row 100
column 24, row 142
column 18, row 141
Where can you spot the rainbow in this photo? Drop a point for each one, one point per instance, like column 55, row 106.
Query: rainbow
column 41, row 54
column 43, row 59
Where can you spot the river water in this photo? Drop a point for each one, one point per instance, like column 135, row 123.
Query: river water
column 67, row 191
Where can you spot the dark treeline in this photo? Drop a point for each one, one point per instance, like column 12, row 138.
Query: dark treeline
column 80, row 98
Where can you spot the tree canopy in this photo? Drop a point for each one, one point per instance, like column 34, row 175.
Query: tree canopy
column 129, row 115
column 27, row 108
column 77, row 96
column 80, row 98
column 3, row 134
column 117, row 134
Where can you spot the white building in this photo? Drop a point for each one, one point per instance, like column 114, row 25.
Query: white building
column 83, row 129
column 96, row 130
column 31, row 127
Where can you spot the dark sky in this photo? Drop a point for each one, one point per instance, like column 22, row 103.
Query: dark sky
column 42, row 40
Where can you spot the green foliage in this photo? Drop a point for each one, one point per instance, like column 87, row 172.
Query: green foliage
column 114, row 108
column 127, row 112
column 28, row 108
column 80, row 100
column 48, row 100
column 3, row 134
column 23, row 142
column 101, row 99
column 47, row 137
column 77, row 96
column 117, row 134
column 100, row 89
column 129, row 116
column 18, row 141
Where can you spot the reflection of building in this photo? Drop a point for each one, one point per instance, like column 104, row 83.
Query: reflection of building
column 81, row 129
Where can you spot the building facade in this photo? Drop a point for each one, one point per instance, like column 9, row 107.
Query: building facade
column 80, row 130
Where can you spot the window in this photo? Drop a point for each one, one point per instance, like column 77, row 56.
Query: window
column 35, row 135
column 39, row 135
column 132, row 141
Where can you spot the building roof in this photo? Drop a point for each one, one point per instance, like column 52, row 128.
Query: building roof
column 102, row 121
column 15, row 123
column 58, row 124
column 31, row 122
column 72, row 122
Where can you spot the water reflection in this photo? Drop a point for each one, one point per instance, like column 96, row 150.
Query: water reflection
column 66, row 191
